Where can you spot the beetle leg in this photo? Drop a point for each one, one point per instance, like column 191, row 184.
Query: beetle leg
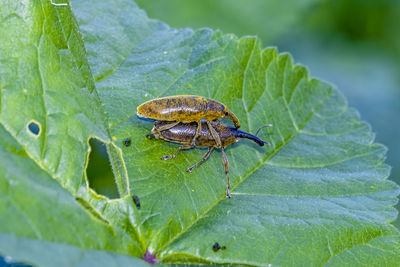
column 198, row 131
column 204, row 158
column 167, row 126
column 176, row 152
column 226, row 167
column 214, row 135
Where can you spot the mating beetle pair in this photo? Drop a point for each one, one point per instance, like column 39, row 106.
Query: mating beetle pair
column 193, row 121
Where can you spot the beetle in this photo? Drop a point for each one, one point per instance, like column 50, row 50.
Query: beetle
column 183, row 134
column 186, row 108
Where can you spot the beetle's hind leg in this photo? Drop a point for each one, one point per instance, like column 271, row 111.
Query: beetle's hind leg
column 176, row 152
column 204, row 158
column 226, row 167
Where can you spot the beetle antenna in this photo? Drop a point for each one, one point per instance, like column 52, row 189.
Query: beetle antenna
column 262, row 127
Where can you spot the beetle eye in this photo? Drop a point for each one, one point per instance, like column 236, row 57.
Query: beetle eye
column 226, row 113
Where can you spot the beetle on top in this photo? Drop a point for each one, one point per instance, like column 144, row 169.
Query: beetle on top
column 187, row 108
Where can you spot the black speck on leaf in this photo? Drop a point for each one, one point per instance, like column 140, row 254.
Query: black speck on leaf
column 136, row 200
column 216, row 247
column 127, row 142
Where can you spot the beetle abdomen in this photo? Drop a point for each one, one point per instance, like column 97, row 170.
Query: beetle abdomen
column 184, row 133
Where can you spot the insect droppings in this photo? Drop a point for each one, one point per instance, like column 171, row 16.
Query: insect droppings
column 127, row 142
column 217, row 247
column 136, row 200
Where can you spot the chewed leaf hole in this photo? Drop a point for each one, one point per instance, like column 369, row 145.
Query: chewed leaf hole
column 99, row 171
column 34, row 128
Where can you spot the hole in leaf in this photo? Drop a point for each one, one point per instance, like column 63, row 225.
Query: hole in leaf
column 99, row 172
column 34, row 128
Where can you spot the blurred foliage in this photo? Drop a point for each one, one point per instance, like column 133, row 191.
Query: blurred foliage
column 271, row 20
column 367, row 21
column 266, row 19
column 352, row 44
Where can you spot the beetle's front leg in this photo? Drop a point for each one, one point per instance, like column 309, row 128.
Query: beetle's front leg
column 226, row 167
column 176, row 152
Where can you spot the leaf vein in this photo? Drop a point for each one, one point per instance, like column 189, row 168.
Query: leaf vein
column 44, row 130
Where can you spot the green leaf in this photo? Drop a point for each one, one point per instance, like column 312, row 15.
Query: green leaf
column 34, row 205
column 45, row 81
column 318, row 195
column 44, row 253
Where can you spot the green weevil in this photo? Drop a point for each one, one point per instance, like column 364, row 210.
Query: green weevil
column 187, row 108
column 183, row 134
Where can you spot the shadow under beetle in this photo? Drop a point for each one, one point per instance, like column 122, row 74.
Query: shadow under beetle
column 184, row 133
column 187, row 108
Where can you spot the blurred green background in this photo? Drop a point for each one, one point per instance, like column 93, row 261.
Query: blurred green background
column 354, row 45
